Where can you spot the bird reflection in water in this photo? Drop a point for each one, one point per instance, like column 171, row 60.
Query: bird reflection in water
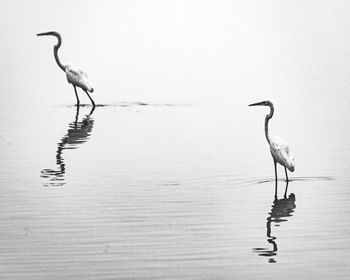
column 281, row 210
column 78, row 133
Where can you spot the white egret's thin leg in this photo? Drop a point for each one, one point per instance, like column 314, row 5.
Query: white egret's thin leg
column 285, row 169
column 76, row 94
column 275, row 163
column 92, row 102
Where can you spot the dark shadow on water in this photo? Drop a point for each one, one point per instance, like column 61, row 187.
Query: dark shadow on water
column 281, row 210
column 86, row 105
column 135, row 104
column 78, row 133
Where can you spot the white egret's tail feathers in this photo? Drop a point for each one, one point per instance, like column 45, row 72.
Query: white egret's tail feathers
column 291, row 167
column 291, row 163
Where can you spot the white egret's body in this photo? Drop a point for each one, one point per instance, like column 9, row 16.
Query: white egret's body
column 281, row 153
column 78, row 77
column 75, row 76
column 278, row 147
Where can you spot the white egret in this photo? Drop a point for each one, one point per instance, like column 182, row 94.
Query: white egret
column 75, row 76
column 279, row 149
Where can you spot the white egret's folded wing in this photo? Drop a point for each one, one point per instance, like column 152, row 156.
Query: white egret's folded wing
column 281, row 153
column 78, row 77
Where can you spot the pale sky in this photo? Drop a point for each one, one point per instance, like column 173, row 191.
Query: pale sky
column 178, row 50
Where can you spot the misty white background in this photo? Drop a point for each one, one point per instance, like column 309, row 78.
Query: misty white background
column 179, row 50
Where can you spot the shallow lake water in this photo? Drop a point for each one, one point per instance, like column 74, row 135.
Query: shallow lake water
column 170, row 177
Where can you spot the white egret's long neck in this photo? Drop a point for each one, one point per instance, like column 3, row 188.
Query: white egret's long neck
column 267, row 118
column 55, row 52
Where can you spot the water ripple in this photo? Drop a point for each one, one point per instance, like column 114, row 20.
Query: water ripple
column 302, row 179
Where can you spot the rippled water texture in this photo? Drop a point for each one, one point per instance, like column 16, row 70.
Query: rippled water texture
column 170, row 177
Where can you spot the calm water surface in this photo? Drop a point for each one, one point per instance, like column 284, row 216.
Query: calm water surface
column 170, row 177
column 159, row 191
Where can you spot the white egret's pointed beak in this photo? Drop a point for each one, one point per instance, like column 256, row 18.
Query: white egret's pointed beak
column 43, row 34
column 52, row 33
column 258, row 104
